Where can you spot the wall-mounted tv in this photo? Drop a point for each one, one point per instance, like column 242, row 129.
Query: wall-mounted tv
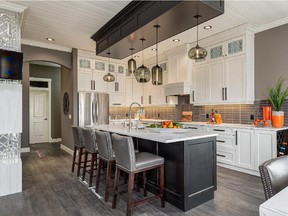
column 11, row 65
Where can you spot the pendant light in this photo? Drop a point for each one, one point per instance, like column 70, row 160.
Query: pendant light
column 197, row 52
column 157, row 75
column 142, row 73
column 131, row 63
column 109, row 77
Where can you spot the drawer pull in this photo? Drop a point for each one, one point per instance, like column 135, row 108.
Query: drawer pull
column 221, row 155
column 192, row 128
column 236, row 138
column 219, row 130
column 220, row 141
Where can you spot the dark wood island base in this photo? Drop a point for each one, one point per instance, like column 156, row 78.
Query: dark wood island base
column 190, row 170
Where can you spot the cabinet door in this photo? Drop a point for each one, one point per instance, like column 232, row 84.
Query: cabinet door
column 133, row 91
column 100, row 84
column 84, row 80
column 199, row 94
column 235, row 46
column 245, row 156
column 235, row 79
column 216, row 80
column 184, row 66
column 117, row 99
column 120, row 82
column 216, row 52
column 172, row 69
column 266, row 146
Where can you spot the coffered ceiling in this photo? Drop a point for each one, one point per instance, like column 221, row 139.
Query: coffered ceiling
column 72, row 23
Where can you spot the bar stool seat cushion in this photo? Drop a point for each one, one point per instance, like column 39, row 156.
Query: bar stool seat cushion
column 145, row 160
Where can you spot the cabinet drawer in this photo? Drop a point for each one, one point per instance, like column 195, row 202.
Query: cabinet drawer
column 227, row 142
column 221, row 130
column 225, row 156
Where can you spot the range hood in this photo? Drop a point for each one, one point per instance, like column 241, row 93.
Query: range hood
column 177, row 89
column 137, row 19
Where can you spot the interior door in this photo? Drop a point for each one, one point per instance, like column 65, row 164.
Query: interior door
column 39, row 112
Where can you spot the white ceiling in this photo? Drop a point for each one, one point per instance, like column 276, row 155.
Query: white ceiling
column 72, row 23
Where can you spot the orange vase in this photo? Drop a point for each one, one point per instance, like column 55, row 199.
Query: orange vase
column 267, row 113
column 278, row 119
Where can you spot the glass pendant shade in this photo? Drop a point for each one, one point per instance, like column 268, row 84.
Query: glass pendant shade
column 109, row 78
column 157, row 75
column 131, row 66
column 142, row 74
column 197, row 52
column 131, row 63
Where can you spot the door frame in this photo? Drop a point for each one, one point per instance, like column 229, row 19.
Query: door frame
column 49, row 101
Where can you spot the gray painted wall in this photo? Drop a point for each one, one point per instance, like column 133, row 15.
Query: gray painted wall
column 66, row 123
column 33, row 54
column 53, row 73
column 271, row 58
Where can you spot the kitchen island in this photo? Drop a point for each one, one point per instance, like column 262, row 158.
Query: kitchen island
column 190, row 162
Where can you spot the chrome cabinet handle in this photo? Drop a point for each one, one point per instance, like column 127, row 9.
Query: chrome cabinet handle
column 225, row 93
column 223, row 97
column 150, row 99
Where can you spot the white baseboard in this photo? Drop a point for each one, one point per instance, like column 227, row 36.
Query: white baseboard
column 55, row 140
column 65, row 148
column 239, row 169
column 27, row 149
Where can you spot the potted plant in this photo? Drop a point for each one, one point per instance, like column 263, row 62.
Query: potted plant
column 277, row 95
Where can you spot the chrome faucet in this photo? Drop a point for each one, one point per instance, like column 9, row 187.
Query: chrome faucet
column 130, row 124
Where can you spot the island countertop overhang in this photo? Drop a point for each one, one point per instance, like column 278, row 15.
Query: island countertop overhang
column 154, row 136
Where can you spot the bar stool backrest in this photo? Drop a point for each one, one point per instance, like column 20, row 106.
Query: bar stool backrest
column 104, row 144
column 124, row 152
column 89, row 140
column 77, row 136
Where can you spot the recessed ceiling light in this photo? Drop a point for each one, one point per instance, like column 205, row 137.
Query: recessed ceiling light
column 153, row 49
column 50, row 39
column 207, row 27
column 176, row 40
column 136, row 56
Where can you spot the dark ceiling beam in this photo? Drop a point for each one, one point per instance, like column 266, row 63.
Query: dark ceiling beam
column 137, row 19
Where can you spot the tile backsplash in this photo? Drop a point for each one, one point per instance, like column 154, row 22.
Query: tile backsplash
column 236, row 113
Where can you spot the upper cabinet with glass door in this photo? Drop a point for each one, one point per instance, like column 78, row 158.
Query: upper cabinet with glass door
column 232, row 47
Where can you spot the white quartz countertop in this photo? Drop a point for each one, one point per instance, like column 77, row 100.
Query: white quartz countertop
column 155, row 136
column 244, row 126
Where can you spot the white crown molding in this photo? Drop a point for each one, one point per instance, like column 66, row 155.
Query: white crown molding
column 45, row 45
column 12, row 7
column 271, row 25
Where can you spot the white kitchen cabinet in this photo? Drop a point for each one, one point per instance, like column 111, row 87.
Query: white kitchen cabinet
column 245, row 149
column 227, row 80
column 118, row 85
column 229, row 48
column 265, row 146
column 116, row 99
column 230, row 73
column 133, row 91
column 179, row 65
column 200, row 85
column 90, row 75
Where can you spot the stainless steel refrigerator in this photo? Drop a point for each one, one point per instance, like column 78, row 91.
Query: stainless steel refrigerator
column 93, row 108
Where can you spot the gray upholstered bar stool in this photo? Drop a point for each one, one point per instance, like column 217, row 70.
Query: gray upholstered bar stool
column 131, row 163
column 78, row 147
column 106, row 154
column 90, row 148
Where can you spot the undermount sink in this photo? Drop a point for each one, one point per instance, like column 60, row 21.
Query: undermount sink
column 168, row 130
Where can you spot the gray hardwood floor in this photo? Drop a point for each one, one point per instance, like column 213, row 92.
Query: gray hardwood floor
column 49, row 188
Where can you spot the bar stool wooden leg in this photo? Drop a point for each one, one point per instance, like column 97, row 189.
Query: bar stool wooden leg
column 130, row 193
column 116, row 183
column 144, row 183
column 98, row 174
column 92, row 169
column 162, row 185
column 85, row 165
column 79, row 161
column 108, row 178
column 74, row 157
